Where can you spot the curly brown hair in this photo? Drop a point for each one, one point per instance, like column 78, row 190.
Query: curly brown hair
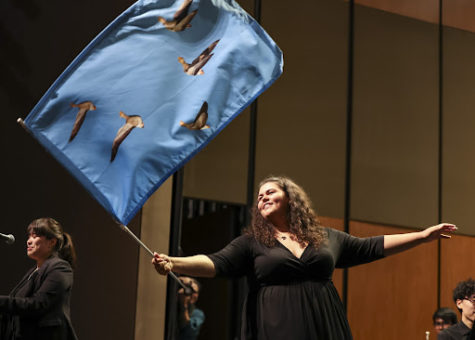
column 464, row 289
column 302, row 219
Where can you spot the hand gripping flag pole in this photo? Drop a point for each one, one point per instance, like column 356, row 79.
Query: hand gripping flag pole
column 187, row 289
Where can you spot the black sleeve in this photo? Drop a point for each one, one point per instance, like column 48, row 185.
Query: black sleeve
column 471, row 335
column 235, row 259
column 443, row 336
column 57, row 280
column 355, row 250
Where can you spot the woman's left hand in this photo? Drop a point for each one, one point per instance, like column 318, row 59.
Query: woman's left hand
column 438, row 231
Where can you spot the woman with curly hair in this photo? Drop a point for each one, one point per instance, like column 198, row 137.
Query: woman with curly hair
column 289, row 259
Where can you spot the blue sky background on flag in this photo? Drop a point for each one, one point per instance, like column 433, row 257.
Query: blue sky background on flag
column 133, row 67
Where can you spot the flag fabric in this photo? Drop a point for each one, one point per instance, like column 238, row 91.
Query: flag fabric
column 151, row 90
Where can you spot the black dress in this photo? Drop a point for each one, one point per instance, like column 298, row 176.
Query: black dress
column 292, row 298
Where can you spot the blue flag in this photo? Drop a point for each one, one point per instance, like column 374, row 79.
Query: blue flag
column 151, row 90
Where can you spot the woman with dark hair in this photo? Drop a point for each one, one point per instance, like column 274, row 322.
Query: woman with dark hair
column 289, row 259
column 38, row 307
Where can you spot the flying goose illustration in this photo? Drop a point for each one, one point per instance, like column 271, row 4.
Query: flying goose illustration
column 80, row 116
column 131, row 122
column 200, row 121
column 196, row 65
column 181, row 19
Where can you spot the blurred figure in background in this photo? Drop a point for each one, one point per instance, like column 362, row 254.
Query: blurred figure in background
column 443, row 318
column 190, row 318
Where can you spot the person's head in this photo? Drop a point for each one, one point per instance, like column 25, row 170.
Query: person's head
column 273, row 203
column 444, row 318
column 464, row 298
column 194, row 285
column 46, row 238
column 281, row 201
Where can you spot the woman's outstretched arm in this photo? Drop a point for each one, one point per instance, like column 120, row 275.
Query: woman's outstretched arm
column 397, row 243
column 198, row 265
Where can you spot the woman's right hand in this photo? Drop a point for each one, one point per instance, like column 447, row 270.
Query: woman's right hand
column 163, row 264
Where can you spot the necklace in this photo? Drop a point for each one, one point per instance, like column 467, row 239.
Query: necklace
column 284, row 237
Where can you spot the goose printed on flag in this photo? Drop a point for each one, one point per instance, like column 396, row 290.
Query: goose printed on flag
column 151, row 90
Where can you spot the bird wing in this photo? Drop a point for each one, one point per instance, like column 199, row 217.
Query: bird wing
column 81, row 115
column 199, row 65
column 182, row 24
column 119, row 138
column 206, row 52
column 202, row 116
column 200, row 120
column 183, row 10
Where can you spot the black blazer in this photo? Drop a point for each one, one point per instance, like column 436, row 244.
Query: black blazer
column 38, row 307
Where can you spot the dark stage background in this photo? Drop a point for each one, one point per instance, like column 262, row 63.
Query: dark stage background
column 38, row 40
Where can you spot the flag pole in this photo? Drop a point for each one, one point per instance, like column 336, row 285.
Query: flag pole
column 22, row 123
column 187, row 289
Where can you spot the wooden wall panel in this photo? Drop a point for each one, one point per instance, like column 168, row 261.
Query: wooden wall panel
column 395, row 131
column 247, row 5
column 458, row 187
column 302, row 117
column 152, row 288
column 459, row 14
column 456, row 13
column 219, row 171
column 392, row 298
column 425, row 10
column 457, row 264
